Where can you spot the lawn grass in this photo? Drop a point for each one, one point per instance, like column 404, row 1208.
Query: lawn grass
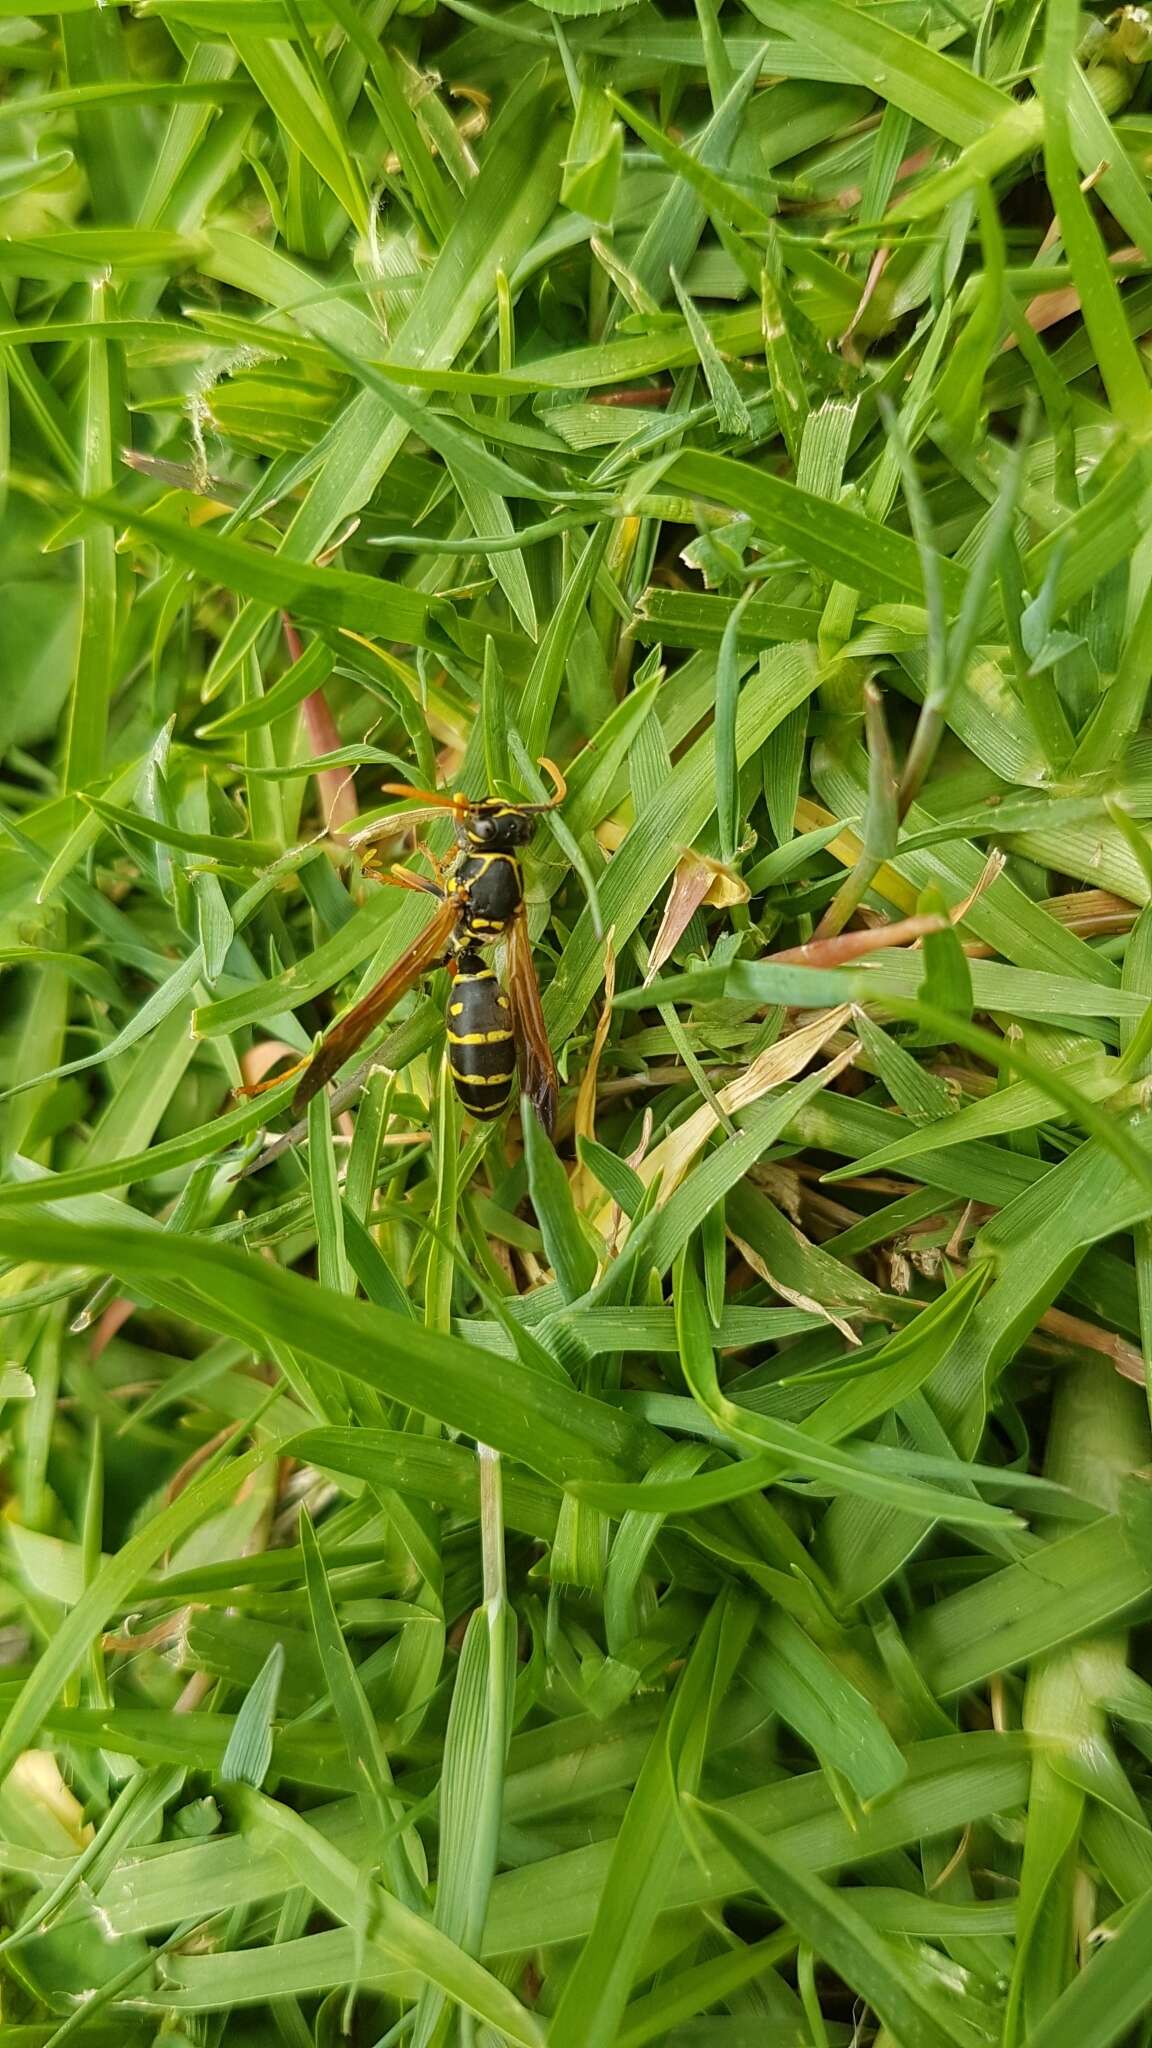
column 685, row 1580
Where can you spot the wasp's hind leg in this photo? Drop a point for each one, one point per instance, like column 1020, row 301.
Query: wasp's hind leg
column 271, row 1081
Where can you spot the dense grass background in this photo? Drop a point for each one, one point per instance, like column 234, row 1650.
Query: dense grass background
column 687, row 1584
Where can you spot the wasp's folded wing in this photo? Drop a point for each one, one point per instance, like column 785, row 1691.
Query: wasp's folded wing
column 537, row 1066
column 350, row 1030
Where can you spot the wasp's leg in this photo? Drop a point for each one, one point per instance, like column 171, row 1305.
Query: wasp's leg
column 271, row 1081
column 402, row 878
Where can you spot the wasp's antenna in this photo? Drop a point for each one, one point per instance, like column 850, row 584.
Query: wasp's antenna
column 559, row 784
column 434, row 797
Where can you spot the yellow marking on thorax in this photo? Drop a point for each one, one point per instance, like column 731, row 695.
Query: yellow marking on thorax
column 487, row 855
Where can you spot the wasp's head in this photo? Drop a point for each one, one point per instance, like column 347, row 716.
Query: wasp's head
column 493, row 826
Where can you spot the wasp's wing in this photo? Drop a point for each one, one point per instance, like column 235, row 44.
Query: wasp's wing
column 350, row 1030
column 537, row 1066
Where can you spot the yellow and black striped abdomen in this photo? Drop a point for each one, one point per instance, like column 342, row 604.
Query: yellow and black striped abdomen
column 481, row 1044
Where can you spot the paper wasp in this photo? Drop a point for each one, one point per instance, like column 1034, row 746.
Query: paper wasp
column 480, row 898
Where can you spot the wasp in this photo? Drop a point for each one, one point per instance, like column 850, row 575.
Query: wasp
column 480, row 899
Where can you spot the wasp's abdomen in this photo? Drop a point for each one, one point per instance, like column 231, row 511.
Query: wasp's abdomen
column 492, row 885
column 481, row 1046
